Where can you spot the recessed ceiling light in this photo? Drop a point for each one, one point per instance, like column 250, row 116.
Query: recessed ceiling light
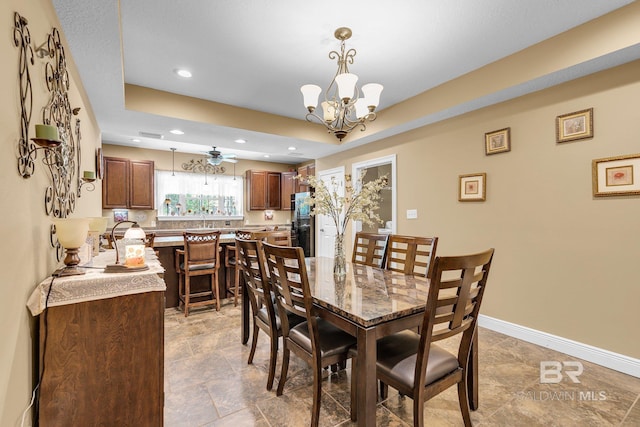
column 292, row 148
column 240, row 141
column 183, row 73
column 176, row 132
column 267, row 156
column 136, row 140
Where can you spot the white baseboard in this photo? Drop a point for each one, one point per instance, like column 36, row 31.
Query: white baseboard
column 606, row 358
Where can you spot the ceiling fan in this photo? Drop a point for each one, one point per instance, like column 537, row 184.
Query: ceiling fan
column 217, row 157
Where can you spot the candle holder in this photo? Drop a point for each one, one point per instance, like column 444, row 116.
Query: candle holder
column 88, row 178
column 134, row 232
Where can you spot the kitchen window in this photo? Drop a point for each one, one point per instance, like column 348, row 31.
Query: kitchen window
column 188, row 195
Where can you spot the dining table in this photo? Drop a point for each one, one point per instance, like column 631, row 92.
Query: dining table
column 369, row 303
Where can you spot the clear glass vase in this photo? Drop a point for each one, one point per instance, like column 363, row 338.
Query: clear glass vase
column 339, row 259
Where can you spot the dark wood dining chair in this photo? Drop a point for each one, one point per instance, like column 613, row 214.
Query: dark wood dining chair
column 200, row 256
column 411, row 362
column 231, row 264
column 265, row 315
column 274, row 237
column 410, row 254
column 316, row 341
column 369, row 249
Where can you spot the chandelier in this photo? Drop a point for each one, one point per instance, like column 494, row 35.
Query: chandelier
column 343, row 108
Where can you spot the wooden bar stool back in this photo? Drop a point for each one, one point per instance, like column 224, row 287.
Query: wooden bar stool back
column 201, row 256
column 231, row 263
column 411, row 255
column 369, row 248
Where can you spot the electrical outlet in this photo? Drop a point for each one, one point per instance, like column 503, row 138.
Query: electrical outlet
column 412, row 214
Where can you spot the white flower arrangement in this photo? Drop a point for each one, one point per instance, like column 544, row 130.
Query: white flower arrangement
column 359, row 203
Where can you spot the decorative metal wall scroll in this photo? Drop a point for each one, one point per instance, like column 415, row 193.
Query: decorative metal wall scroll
column 203, row 166
column 22, row 40
column 63, row 160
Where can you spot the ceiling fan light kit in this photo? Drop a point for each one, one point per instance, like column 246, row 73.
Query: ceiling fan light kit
column 216, row 157
column 344, row 108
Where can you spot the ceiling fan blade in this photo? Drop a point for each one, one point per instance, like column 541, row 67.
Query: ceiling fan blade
column 229, row 160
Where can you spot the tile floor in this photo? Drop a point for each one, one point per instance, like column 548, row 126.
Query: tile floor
column 209, row 383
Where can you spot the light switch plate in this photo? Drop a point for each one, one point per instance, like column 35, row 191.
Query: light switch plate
column 412, row 213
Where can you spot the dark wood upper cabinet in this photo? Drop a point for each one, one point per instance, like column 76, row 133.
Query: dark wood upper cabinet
column 304, row 171
column 287, row 188
column 128, row 184
column 263, row 190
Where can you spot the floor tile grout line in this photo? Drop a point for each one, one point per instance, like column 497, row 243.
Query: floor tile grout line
column 637, row 401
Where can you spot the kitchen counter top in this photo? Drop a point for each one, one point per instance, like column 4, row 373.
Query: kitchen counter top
column 170, row 241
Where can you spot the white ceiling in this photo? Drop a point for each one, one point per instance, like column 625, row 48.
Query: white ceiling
column 256, row 54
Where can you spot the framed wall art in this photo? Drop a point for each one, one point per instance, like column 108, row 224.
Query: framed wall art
column 497, row 141
column 472, row 187
column 616, row 176
column 574, row 126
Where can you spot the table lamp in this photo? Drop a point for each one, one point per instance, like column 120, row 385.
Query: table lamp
column 72, row 234
column 134, row 232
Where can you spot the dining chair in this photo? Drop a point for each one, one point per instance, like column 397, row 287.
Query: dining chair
column 265, row 316
column 411, row 362
column 200, row 256
column 231, row 263
column 410, row 254
column 315, row 340
column 274, row 237
column 369, row 249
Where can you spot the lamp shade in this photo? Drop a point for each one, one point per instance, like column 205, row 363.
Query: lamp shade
column 346, row 84
column 135, row 232
column 98, row 224
column 310, row 94
column 372, row 93
column 328, row 111
column 361, row 108
column 71, row 232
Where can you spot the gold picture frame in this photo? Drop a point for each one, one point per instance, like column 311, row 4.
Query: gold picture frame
column 472, row 187
column 616, row 176
column 574, row 126
column 498, row 141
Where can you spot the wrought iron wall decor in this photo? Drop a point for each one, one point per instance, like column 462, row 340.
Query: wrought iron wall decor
column 203, row 166
column 62, row 158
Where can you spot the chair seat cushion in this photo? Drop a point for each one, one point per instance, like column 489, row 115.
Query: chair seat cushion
column 199, row 266
column 397, row 358
column 294, row 319
column 332, row 340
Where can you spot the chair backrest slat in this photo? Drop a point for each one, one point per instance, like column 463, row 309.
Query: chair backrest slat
column 369, row 249
column 411, row 255
column 274, row 237
column 288, row 279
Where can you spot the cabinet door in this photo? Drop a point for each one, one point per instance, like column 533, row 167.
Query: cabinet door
column 301, row 185
column 141, row 191
column 115, row 184
column 287, row 187
column 257, row 190
column 273, row 190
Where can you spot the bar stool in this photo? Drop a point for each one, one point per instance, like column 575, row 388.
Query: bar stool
column 201, row 256
column 230, row 262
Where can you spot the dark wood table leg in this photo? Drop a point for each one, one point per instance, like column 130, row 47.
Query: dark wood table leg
column 245, row 312
column 366, row 378
column 472, row 374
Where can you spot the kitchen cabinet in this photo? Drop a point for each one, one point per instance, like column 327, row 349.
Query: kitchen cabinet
column 305, row 171
column 287, row 188
column 263, row 190
column 128, row 184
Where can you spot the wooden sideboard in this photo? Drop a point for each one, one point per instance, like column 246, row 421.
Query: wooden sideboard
column 102, row 360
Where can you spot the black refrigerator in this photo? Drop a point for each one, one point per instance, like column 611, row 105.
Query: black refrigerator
column 302, row 224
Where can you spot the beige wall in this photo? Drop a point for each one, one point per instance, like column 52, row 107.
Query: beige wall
column 566, row 262
column 163, row 161
column 26, row 257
